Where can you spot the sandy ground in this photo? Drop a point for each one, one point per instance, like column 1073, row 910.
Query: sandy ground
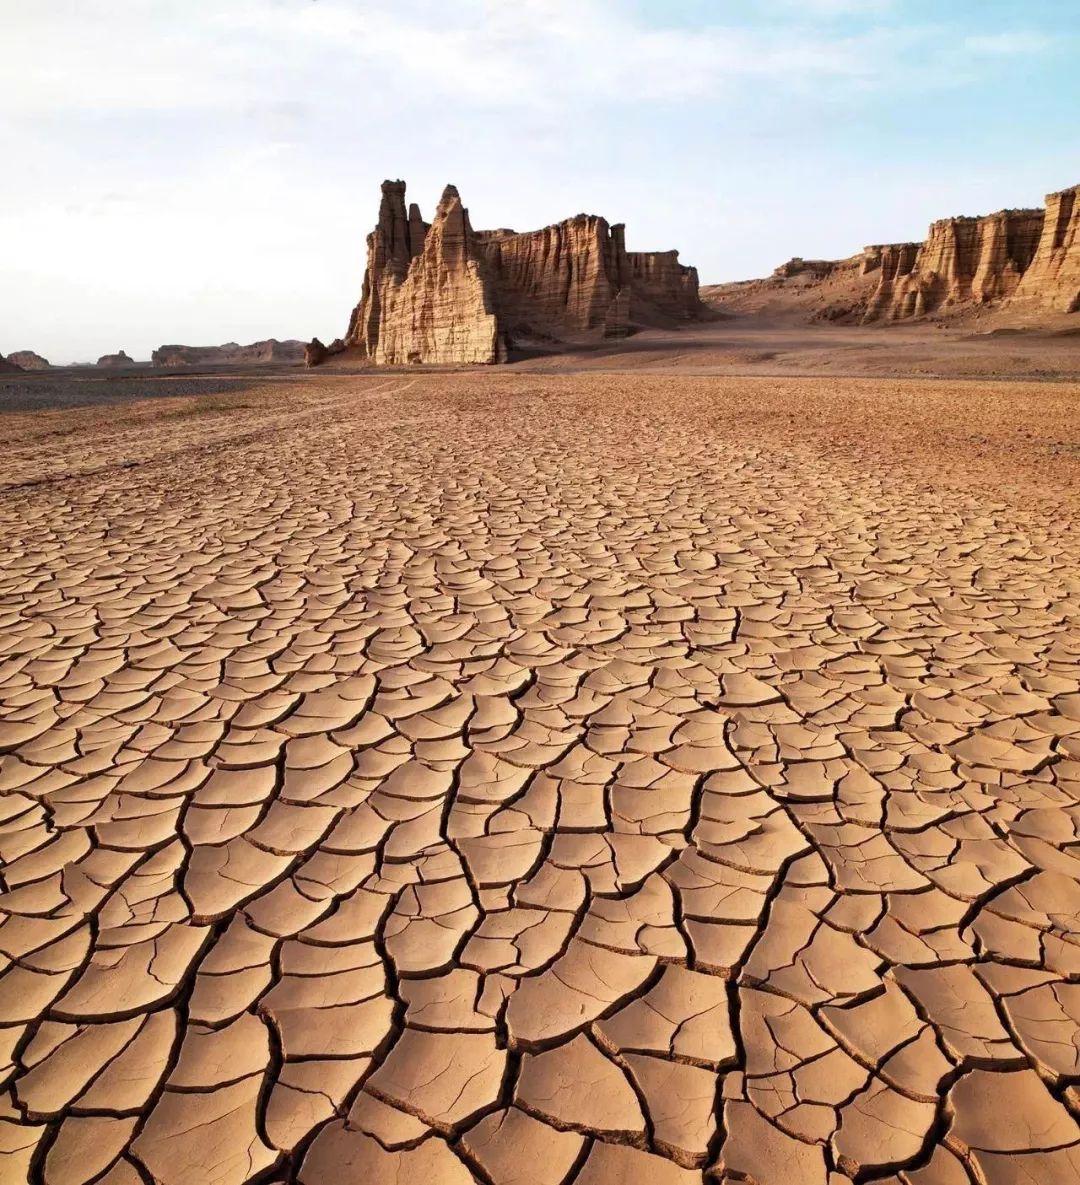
column 529, row 778
column 779, row 345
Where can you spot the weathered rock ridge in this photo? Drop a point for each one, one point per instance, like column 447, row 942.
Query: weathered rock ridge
column 1024, row 260
column 445, row 293
column 231, row 353
column 316, row 353
column 427, row 295
column 1052, row 281
column 28, row 360
column 963, row 261
column 120, row 358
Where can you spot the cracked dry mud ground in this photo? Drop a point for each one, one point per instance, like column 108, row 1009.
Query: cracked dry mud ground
column 542, row 780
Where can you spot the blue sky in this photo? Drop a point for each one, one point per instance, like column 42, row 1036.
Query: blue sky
column 206, row 170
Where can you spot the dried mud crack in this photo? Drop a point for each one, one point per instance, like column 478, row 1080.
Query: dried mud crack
column 538, row 779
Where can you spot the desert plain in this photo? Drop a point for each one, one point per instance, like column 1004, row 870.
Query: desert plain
column 606, row 769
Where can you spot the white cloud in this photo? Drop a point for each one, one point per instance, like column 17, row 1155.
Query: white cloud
column 125, row 55
column 1019, row 43
column 828, row 9
column 553, row 53
column 96, row 55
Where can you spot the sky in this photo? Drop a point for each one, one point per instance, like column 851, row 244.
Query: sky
column 200, row 171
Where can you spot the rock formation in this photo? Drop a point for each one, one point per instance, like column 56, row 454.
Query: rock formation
column 7, row 367
column 444, row 293
column 118, row 359
column 230, row 354
column 315, row 353
column 1023, row 260
column 659, row 282
column 814, row 269
column 558, row 282
column 427, row 296
column 888, row 264
column 28, row 360
column 963, row 261
column 1052, row 281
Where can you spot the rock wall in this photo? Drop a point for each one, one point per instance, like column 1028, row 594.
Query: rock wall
column 812, row 269
column 391, row 250
column 963, row 261
column 891, row 264
column 553, row 283
column 659, row 280
column 118, row 359
column 28, row 360
column 1007, row 245
column 444, row 293
column 1027, row 261
column 230, row 354
column 315, row 353
column 1052, row 281
column 440, row 311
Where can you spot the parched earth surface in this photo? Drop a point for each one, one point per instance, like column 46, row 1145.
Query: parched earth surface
column 536, row 779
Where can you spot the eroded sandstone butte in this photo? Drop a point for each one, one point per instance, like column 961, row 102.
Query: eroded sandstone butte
column 963, row 261
column 28, row 360
column 120, row 358
column 445, row 293
column 1023, row 260
column 1053, row 278
column 316, row 353
column 229, row 354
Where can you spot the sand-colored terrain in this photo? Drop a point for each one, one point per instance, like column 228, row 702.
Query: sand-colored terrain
column 530, row 777
column 778, row 342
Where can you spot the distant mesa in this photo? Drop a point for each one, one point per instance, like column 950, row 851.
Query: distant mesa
column 119, row 359
column 441, row 292
column 230, row 354
column 815, row 269
column 1024, row 261
column 28, row 360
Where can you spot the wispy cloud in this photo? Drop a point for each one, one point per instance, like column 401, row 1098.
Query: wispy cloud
column 831, row 9
column 552, row 52
column 115, row 55
column 1015, row 43
column 125, row 55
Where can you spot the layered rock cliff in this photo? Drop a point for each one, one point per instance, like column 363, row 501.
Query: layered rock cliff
column 1052, row 281
column 553, row 283
column 230, row 354
column 1026, row 261
column 444, row 293
column 118, row 359
column 963, row 261
column 1007, row 245
column 428, row 297
column 660, row 284
column 315, row 353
